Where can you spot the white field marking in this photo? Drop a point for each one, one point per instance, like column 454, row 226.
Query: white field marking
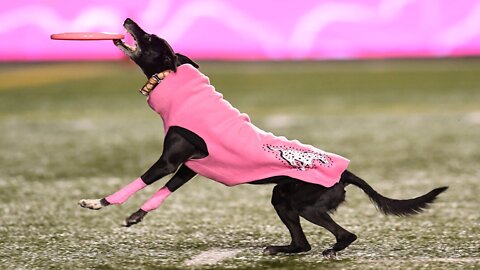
column 472, row 118
column 425, row 259
column 212, row 256
column 83, row 124
column 281, row 120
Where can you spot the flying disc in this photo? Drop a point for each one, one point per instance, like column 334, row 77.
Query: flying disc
column 87, row 36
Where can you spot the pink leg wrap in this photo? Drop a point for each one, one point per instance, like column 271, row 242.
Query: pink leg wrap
column 123, row 194
column 156, row 200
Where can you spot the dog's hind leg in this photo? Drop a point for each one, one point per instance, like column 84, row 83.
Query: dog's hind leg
column 344, row 238
column 290, row 217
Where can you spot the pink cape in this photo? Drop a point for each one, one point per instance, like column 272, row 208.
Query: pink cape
column 239, row 152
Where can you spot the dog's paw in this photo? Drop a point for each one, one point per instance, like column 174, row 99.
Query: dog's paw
column 270, row 250
column 94, row 204
column 134, row 218
column 329, row 254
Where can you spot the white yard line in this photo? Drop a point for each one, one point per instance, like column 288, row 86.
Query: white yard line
column 472, row 118
column 212, row 256
column 281, row 120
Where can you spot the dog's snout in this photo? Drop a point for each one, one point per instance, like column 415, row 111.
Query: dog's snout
column 130, row 24
column 128, row 21
column 132, row 27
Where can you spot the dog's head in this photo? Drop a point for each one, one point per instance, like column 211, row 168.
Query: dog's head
column 150, row 52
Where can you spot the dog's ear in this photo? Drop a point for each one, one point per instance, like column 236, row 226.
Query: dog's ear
column 182, row 59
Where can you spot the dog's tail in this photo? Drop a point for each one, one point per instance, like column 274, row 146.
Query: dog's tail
column 391, row 206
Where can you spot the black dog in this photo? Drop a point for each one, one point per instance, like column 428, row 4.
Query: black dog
column 291, row 198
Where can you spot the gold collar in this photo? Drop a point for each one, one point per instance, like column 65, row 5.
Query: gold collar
column 155, row 80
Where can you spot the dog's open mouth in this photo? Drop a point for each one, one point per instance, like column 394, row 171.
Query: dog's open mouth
column 125, row 47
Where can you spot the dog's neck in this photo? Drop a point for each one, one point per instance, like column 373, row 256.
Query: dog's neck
column 153, row 82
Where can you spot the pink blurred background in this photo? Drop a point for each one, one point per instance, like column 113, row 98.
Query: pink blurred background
column 250, row 30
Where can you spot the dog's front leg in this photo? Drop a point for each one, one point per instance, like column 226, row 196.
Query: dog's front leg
column 154, row 202
column 118, row 197
column 176, row 150
column 183, row 175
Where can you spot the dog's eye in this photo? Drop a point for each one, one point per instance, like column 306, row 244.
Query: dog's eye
column 148, row 37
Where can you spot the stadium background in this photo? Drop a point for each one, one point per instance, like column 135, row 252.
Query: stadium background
column 262, row 30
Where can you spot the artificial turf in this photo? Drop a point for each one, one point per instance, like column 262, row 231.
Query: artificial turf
column 80, row 130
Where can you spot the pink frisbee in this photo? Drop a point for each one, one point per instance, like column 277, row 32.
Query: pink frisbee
column 87, row 36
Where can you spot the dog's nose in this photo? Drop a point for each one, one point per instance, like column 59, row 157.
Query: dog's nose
column 128, row 21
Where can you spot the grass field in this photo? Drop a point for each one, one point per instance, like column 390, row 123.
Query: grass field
column 80, row 130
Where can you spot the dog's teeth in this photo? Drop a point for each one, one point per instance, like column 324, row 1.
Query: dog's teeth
column 130, row 47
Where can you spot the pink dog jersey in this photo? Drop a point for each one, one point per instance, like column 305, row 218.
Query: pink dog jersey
column 239, row 152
